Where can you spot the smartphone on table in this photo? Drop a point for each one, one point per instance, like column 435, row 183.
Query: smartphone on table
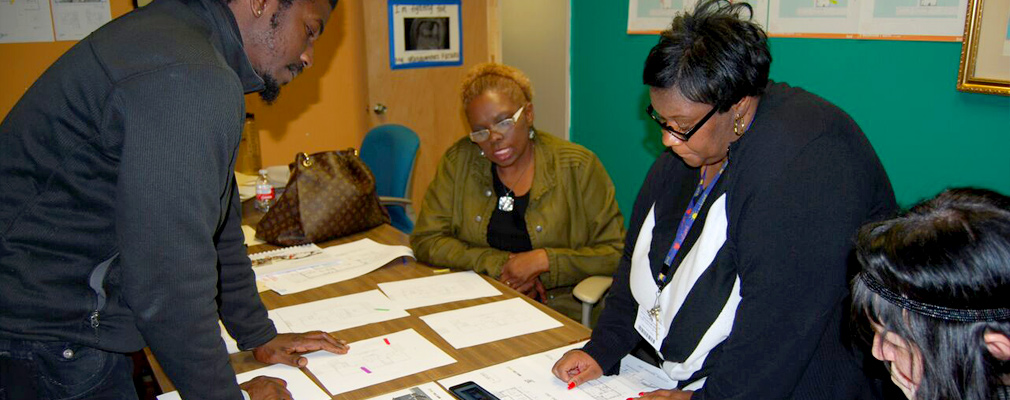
column 471, row 391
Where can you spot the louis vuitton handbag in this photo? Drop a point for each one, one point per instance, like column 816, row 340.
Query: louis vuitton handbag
column 329, row 195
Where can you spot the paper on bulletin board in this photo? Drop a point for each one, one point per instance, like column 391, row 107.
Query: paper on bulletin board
column 25, row 21
column 943, row 19
column 654, row 16
column 814, row 17
column 425, row 33
column 933, row 20
column 75, row 19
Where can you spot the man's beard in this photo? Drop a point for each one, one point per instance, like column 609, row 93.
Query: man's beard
column 272, row 88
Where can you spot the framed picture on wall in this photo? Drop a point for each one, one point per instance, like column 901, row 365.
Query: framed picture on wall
column 985, row 49
column 425, row 33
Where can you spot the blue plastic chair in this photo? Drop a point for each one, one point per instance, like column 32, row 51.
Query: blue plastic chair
column 389, row 150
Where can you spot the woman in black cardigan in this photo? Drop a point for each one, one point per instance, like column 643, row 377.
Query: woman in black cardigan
column 734, row 270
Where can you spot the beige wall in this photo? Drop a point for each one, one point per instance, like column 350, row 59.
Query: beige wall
column 534, row 36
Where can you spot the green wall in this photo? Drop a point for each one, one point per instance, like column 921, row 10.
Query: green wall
column 928, row 135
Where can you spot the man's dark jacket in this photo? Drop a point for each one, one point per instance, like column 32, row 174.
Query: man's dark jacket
column 119, row 219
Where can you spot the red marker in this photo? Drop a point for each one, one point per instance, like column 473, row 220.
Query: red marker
column 385, row 340
column 571, row 385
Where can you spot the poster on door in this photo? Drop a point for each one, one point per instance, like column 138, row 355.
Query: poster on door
column 425, row 33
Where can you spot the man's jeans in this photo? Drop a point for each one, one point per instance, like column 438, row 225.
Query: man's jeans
column 31, row 370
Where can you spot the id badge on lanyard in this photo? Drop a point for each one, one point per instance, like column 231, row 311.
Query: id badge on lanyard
column 649, row 324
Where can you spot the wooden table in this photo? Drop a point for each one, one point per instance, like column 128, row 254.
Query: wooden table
column 467, row 359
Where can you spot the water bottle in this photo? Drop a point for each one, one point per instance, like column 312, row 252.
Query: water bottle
column 264, row 192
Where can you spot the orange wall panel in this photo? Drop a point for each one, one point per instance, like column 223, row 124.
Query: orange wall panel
column 322, row 109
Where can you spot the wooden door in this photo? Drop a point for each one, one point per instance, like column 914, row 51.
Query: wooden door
column 426, row 99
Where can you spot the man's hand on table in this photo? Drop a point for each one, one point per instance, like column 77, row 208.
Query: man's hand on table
column 287, row 348
column 266, row 388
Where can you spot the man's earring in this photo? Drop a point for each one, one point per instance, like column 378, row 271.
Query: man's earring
column 482, row 153
column 532, row 133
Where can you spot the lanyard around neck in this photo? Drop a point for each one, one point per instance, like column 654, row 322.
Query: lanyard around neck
column 686, row 221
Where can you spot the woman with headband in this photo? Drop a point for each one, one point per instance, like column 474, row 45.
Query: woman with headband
column 934, row 290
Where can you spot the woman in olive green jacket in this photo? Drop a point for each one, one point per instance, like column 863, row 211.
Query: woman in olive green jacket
column 534, row 211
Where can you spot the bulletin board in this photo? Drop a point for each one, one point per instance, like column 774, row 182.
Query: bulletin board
column 924, row 20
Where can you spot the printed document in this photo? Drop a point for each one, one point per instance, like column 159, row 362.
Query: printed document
column 486, row 323
column 427, row 391
column 376, row 360
column 329, row 315
column 438, row 289
column 338, row 313
column 530, row 378
column 334, row 264
column 299, row 384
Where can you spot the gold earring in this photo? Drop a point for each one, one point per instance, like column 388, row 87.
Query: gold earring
column 258, row 12
column 738, row 128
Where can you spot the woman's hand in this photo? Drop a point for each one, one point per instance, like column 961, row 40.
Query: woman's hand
column 522, row 269
column 576, row 367
column 664, row 394
column 536, row 291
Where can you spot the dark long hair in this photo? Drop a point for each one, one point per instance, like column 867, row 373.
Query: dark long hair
column 952, row 251
column 712, row 55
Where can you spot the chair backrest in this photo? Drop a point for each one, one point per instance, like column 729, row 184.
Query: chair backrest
column 389, row 150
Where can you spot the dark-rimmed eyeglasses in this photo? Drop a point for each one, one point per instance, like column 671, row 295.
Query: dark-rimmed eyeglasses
column 682, row 136
column 503, row 126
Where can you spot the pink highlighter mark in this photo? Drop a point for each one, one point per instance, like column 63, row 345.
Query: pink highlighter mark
column 385, row 340
column 366, row 370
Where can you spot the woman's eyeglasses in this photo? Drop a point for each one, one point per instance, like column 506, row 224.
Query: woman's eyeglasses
column 682, row 136
column 503, row 126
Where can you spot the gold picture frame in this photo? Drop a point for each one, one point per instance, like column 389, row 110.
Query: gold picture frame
column 985, row 48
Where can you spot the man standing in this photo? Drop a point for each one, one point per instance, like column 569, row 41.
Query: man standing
column 119, row 216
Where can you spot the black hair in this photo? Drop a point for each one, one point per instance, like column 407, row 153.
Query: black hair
column 950, row 251
column 711, row 55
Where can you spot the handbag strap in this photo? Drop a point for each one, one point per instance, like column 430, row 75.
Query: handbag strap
column 305, row 159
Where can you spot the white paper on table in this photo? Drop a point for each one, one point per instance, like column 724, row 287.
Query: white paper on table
column 338, row 313
column 328, row 315
column 73, row 20
column 373, row 361
column 486, row 323
column 289, row 259
column 426, row 391
column 25, row 21
column 232, row 345
column 530, row 378
column 299, row 384
column 352, row 260
column 438, row 289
